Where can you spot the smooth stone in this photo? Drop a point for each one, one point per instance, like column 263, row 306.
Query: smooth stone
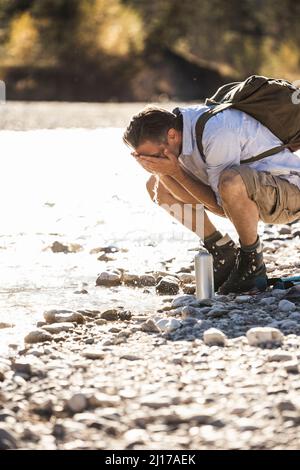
column 63, row 316
column 261, row 335
column 37, row 336
column 77, row 403
column 93, row 354
column 286, row 306
column 288, row 324
column 130, row 357
column 279, row 357
column 173, row 324
column 58, row 327
column 162, row 324
column 182, row 300
column 242, row 299
column 214, row 337
column 100, row 321
column 217, row 312
column 108, row 279
column 189, row 311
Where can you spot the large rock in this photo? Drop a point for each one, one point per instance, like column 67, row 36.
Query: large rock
column 261, row 335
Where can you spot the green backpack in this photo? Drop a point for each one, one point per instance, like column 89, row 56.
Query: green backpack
column 273, row 102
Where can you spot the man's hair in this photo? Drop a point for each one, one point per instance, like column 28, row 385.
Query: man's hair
column 152, row 123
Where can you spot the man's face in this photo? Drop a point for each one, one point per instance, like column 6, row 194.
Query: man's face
column 156, row 149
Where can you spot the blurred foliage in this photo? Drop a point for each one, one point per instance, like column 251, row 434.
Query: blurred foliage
column 238, row 37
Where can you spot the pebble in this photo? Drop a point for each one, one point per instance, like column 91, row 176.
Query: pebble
column 292, row 367
column 131, row 357
column 109, row 279
column 286, row 306
column 37, row 336
column 110, row 315
column 167, row 285
column 63, row 316
column 214, row 337
column 242, row 299
column 93, row 354
column 279, row 356
column 77, row 403
column 147, row 280
column 260, row 335
column 100, row 321
column 217, row 312
column 150, row 326
column 182, row 300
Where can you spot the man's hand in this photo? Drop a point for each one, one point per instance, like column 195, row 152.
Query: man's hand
column 167, row 165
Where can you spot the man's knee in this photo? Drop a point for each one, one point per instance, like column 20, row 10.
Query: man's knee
column 155, row 189
column 231, row 184
column 150, row 186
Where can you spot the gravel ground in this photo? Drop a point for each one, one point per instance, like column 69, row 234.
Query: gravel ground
column 221, row 374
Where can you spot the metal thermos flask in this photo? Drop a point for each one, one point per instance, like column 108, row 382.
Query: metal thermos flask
column 204, row 274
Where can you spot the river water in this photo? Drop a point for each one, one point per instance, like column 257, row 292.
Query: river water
column 66, row 176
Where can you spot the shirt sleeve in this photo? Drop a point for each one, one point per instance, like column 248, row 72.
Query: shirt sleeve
column 222, row 149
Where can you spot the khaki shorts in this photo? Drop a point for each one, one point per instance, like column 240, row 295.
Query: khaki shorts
column 278, row 201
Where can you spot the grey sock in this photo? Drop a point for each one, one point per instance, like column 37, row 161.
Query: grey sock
column 254, row 247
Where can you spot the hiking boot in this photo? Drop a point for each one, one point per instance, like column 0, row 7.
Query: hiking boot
column 249, row 273
column 224, row 252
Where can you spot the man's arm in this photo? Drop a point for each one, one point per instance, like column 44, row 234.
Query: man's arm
column 201, row 192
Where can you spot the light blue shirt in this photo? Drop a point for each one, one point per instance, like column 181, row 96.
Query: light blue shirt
column 230, row 137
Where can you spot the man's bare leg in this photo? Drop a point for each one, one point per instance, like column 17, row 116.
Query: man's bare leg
column 169, row 193
column 241, row 210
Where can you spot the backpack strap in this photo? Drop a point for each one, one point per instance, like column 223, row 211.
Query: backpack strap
column 212, row 112
column 200, row 124
column 265, row 154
